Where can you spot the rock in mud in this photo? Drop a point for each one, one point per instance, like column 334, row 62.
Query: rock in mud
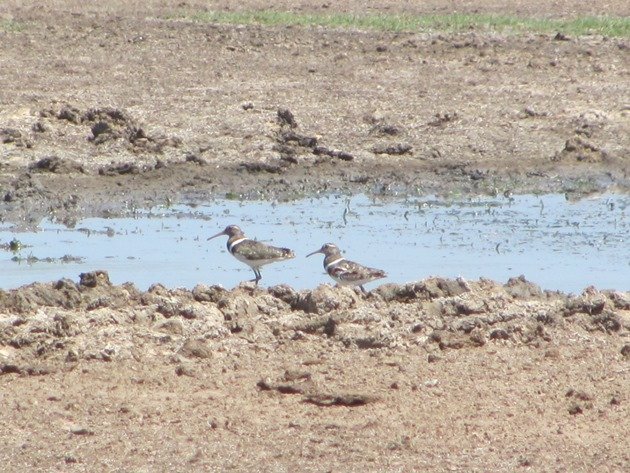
column 587, row 304
column 25, row 369
column 362, row 337
column 102, row 132
column 333, row 153
column 257, row 167
column 57, row 165
column 325, row 298
column 290, row 136
column 119, row 169
column 620, row 300
column 442, row 287
column 190, row 158
column 398, row 292
column 428, row 289
column 581, row 150
column 446, row 340
column 521, row 288
column 235, row 306
column 283, row 388
column 466, row 304
column 94, row 279
column 40, row 127
column 196, row 349
column 185, row 370
column 341, row 399
column 382, row 129
column 499, row 334
column 29, row 298
column 171, row 326
column 285, row 293
column 579, row 401
column 315, row 324
column 607, row 321
column 286, row 118
column 442, row 118
column 15, row 137
column 107, row 114
column 69, row 113
column 393, row 149
column 203, row 293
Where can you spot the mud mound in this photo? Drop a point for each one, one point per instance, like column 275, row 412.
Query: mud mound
column 579, row 149
column 453, row 314
column 57, row 165
column 108, row 124
column 294, row 147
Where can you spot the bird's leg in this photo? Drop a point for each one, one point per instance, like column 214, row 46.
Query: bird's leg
column 363, row 290
column 258, row 276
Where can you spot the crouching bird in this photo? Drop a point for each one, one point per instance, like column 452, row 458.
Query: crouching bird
column 346, row 272
column 251, row 252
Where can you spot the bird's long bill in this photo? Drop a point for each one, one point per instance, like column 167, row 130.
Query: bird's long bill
column 314, row 253
column 217, row 235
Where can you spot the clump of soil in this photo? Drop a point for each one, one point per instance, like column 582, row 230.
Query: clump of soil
column 111, row 124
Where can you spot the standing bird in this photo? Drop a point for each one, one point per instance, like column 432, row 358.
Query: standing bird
column 345, row 272
column 253, row 253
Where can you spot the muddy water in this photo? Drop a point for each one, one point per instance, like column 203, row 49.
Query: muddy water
column 555, row 243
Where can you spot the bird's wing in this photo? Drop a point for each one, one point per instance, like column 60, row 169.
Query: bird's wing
column 351, row 271
column 254, row 250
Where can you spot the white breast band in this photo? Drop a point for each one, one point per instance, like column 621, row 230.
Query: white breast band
column 332, row 263
column 234, row 243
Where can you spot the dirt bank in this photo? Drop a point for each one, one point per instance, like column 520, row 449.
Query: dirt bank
column 437, row 375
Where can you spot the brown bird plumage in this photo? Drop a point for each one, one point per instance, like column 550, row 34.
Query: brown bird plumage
column 253, row 253
column 346, row 272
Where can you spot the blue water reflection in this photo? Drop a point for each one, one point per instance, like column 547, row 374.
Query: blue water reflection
column 555, row 243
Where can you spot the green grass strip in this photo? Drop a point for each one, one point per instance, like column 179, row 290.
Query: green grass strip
column 456, row 22
column 10, row 25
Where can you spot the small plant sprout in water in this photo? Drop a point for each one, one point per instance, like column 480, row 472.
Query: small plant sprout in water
column 15, row 245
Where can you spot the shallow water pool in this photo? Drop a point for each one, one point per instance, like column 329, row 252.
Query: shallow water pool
column 555, row 243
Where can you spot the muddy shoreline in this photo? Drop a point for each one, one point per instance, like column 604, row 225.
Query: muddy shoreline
column 63, row 198
column 110, row 107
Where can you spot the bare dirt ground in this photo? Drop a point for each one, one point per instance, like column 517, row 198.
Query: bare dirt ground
column 113, row 106
column 110, row 108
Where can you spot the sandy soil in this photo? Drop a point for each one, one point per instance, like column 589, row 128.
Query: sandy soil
column 113, row 106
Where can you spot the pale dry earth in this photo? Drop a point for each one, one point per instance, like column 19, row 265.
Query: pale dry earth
column 111, row 106
column 439, row 375
column 117, row 107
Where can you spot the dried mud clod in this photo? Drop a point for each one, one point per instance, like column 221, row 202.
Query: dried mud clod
column 393, row 149
column 384, row 129
column 15, row 137
column 312, row 393
column 578, row 149
column 94, row 279
column 443, row 118
column 57, row 165
column 343, row 399
column 292, row 146
column 286, row 118
column 109, row 124
column 579, row 401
